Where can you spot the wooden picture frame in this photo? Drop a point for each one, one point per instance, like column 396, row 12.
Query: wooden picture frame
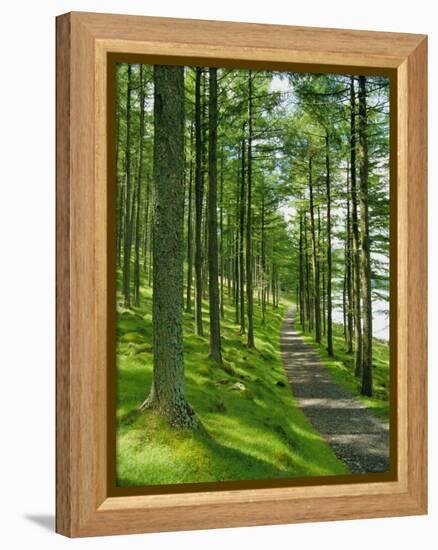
column 84, row 41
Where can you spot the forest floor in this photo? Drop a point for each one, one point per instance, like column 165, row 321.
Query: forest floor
column 251, row 425
column 358, row 437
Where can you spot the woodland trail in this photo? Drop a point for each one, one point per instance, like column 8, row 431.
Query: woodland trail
column 357, row 437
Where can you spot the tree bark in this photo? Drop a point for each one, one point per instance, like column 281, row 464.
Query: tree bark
column 127, row 220
column 329, row 250
column 214, row 309
column 315, row 264
column 121, row 215
column 119, row 179
column 263, row 259
column 221, row 233
column 198, row 206
column 348, row 264
column 249, row 292
column 237, row 243
column 355, row 232
column 241, row 240
column 147, row 231
column 306, row 256
column 138, row 195
column 190, row 229
column 301, row 269
column 167, row 392
column 367, row 345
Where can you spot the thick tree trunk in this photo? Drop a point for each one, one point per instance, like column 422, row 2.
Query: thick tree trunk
column 249, row 282
column 367, row 359
column 355, row 235
column 198, row 206
column 167, row 393
column 215, row 335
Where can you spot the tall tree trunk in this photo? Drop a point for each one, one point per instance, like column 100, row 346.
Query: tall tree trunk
column 121, row 222
column 329, row 251
column 221, row 232
column 198, row 206
column 204, row 173
column 306, row 255
column 355, row 232
column 241, row 240
column 119, row 179
column 301, row 266
column 138, row 195
column 344, row 307
column 215, row 334
column 127, row 221
column 147, row 232
column 316, row 286
column 263, row 258
column 321, row 275
column 237, row 244
column 151, row 252
column 167, row 394
column 367, row 360
column 324, row 302
column 190, row 229
column 249, row 293
column 348, row 261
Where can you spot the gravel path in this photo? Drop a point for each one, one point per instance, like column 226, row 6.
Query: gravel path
column 357, row 437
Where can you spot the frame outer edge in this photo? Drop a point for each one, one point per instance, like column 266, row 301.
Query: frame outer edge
column 78, row 498
column 417, row 276
column 63, row 275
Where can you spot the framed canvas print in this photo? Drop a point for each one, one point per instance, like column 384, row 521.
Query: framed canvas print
column 241, row 274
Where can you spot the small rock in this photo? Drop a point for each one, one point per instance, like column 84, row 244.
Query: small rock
column 238, row 386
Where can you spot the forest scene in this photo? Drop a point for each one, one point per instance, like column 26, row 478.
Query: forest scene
column 252, row 274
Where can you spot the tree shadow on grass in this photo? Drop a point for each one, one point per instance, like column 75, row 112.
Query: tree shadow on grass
column 225, row 463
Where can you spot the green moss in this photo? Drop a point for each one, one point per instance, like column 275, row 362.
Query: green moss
column 251, row 427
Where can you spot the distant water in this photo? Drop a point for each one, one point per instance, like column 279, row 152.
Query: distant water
column 380, row 319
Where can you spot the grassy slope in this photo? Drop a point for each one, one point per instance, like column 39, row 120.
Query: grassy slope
column 256, row 433
column 341, row 367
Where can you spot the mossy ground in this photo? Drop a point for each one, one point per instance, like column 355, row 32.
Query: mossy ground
column 341, row 367
column 246, row 434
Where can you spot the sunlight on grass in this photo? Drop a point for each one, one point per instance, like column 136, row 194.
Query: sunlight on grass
column 251, row 427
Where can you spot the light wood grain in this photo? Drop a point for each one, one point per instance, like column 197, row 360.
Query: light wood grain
column 83, row 42
column 417, row 274
column 63, row 403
